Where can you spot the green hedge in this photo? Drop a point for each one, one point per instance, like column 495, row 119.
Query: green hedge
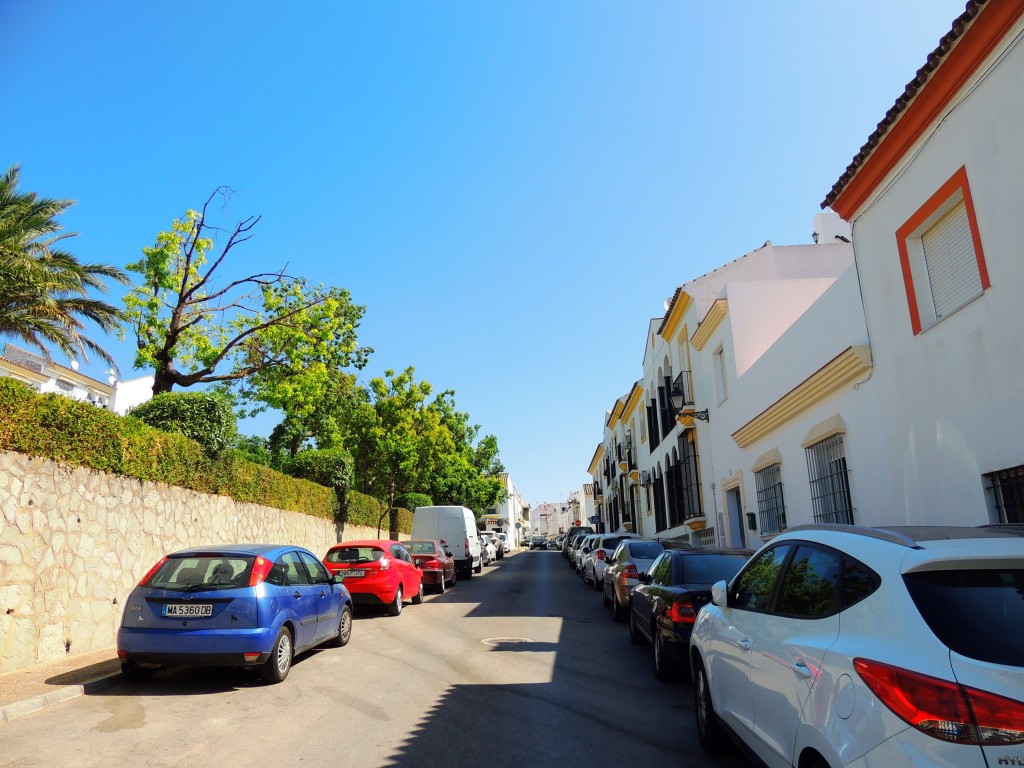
column 59, row 428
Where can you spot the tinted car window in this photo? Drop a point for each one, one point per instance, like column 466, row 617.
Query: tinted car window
column 610, row 542
column 810, row 587
column 977, row 613
column 859, row 581
column 354, row 555
column 202, row 573
column 754, row 586
column 294, row 569
column 317, row 573
column 661, row 570
column 645, row 550
column 420, row 547
column 706, row 569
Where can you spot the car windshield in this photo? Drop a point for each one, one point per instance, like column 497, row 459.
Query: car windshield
column 354, row 555
column 202, row 573
column 644, row 550
column 707, row 569
column 978, row 613
column 420, row 547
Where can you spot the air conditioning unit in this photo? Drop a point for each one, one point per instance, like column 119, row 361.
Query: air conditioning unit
column 645, row 477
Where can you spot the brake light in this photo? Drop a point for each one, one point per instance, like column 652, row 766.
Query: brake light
column 629, row 572
column 251, row 657
column 945, row 710
column 260, row 570
column 682, row 612
column 152, row 571
column 430, row 562
column 384, row 563
column 600, row 554
column 465, row 543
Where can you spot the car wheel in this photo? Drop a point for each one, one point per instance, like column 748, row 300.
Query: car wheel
column 136, row 674
column 344, row 628
column 709, row 732
column 417, row 599
column 664, row 669
column 468, row 573
column 598, row 584
column 480, row 567
column 634, row 631
column 395, row 606
column 443, row 585
column 455, row 576
column 618, row 611
column 604, row 596
column 276, row 668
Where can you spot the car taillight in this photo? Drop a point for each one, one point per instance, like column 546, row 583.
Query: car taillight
column 682, row 612
column 260, row 570
column 384, row 564
column 629, row 572
column 942, row 709
column 465, row 543
column 151, row 571
column 430, row 562
column 600, row 554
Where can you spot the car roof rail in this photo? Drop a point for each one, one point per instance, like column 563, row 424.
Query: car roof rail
column 892, row 535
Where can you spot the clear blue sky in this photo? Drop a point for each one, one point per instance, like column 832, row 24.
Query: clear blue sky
column 511, row 189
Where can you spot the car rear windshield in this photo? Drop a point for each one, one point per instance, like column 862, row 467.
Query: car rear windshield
column 202, row 573
column 645, row 550
column 610, row 542
column 354, row 555
column 977, row 613
column 420, row 547
column 707, row 569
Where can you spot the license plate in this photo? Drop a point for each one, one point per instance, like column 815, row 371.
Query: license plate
column 189, row 610
column 351, row 574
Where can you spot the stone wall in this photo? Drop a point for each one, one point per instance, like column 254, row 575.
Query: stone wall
column 74, row 542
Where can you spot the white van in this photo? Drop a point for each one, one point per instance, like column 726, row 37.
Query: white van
column 456, row 527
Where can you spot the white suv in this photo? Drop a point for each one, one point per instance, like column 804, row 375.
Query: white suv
column 849, row 646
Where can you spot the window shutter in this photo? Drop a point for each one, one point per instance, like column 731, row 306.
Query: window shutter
column 951, row 262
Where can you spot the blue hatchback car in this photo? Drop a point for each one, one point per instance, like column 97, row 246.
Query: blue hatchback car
column 239, row 606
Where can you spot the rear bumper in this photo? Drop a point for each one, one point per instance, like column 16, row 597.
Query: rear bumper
column 223, row 647
column 432, row 577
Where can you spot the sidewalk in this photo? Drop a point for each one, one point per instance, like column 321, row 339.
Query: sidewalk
column 44, row 685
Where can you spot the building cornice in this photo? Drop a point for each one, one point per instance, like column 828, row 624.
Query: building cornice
column 709, row 324
column 850, row 365
column 674, row 316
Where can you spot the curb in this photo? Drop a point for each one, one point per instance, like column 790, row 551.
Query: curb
column 65, row 693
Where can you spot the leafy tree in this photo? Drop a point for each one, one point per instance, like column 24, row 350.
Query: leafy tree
column 44, row 290
column 268, row 327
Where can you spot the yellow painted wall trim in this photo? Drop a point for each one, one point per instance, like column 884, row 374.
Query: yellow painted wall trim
column 833, row 425
column 632, row 401
column 709, row 324
column 598, row 455
column 767, row 459
column 675, row 315
column 850, row 365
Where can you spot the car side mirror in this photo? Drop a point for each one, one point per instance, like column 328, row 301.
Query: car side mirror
column 337, row 578
column 720, row 594
column 447, row 552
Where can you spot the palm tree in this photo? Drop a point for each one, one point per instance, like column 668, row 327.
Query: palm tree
column 44, row 290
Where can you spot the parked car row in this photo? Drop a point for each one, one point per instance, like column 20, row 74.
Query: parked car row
column 837, row 645
column 256, row 606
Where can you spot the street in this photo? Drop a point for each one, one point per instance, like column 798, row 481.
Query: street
column 522, row 665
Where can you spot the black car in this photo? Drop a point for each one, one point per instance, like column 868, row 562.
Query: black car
column 573, row 532
column 538, row 542
column 664, row 605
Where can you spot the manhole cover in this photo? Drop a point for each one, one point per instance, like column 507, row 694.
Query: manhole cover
column 505, row 640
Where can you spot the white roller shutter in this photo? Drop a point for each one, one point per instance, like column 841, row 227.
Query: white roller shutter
column 951, row 262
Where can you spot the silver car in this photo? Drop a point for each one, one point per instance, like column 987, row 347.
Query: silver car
column 596, row 560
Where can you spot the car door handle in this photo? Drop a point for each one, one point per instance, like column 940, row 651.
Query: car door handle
column 296, row 594
column 322, row 593
column 800, row 668
column 744, row 644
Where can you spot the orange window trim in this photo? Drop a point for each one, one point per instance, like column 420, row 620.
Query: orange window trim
column 958, row 181
column 969, row 53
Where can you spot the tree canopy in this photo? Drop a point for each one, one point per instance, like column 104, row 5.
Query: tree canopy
column 195, row 326
column 45, row 291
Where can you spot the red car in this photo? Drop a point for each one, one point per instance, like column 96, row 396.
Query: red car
column 377, row 572
column 435, row 561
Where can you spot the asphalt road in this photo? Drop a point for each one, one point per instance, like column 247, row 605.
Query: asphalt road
column 521, row 666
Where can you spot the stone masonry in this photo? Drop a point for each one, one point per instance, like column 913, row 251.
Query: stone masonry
column 74, row 542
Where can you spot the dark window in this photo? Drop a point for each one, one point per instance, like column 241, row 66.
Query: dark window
column 859, row 581
column 277, row 575
column 770, row 504
column 830, row 482
column 294, row 569
column 1007, row 489
column 753, row 588
column 977, row 613
column 707, row 569
column 644, row 550
column 810, row 587
column 317, row 573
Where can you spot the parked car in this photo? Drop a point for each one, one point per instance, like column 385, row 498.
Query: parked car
column 377, row 572
column 455, row 527
column 538, row 542
column 664, row 605
column 582, row 549
column 631, row 558
column 232, row 605
column 488, row 550
column 596, row 560
column 574, row 545
column 842, row 645
column 559, row 540
column 492, row 536
column 506, row 545
column 571, row 534
column 436, row 563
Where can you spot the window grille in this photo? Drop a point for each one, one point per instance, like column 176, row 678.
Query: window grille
column 770, row 502
column 830, row 482
column 1008, row 493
